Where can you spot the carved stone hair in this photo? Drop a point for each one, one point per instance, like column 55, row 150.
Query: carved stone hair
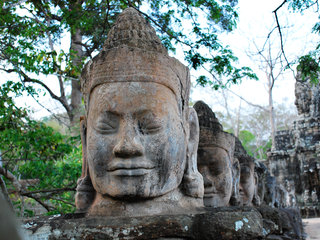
column 211, row 131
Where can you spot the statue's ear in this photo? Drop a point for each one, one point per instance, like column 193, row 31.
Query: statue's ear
column 85, row 192
column 256, row 178
column 256, row 199
column 83, row 134
column 192, row 179
column 235, row 197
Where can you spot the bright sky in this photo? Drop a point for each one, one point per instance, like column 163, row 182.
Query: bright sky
column 255, row 22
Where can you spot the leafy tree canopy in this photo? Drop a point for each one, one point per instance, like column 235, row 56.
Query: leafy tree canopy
column 30, row 150
column 308, row 65
column 34, row 33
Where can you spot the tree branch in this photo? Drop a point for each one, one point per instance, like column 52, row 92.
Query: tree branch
column 5, row 192
column 62, row 99
column 250, row 103
column 7, row 174
column 159, row 26
column 14, row 4
column 54, row 96
column 280, row 32
column 58, row 190
column 46, row 206
column 7, row 70
column 64, row 201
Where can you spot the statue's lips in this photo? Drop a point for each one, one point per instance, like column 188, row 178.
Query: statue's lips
column 129, row 167
column 241, row 194
column 209, row 193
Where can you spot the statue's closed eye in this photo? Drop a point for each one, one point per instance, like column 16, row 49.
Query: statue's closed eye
column 106, row 128
column 107, row 123
column 216, row 169
column 149, row 124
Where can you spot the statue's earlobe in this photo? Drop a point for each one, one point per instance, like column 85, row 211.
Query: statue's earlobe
column 192, row 179
column 235, row 198
column 85, row 192
column 256, row 199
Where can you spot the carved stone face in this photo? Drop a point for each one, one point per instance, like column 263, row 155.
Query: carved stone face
column 215, row 166
column 247, row 184
column 135, row 140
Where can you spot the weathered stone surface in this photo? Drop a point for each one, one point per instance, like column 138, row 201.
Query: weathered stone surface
column 307, row 97
column 295, row 162
column 284, row 222
column 220, row 170
column 248, row 186
column 229, row 172
column 8, row 225
column 211, row 223
column 139, row 136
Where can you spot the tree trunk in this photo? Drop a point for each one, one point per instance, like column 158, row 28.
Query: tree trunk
column 271, row 115
column 237, row 132
column 76, row 94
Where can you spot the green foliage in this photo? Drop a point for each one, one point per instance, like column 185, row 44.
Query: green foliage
column 28, row 28
column 300, row 5
column 249, row 142
column 247, row 139
column 55, row 174
column 308, row 65
column 23, row 138
column 32, row 150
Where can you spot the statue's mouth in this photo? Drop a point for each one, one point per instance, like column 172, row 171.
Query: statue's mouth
column 209, row 193
column 130, row 167
column 242, row 195
column 131, row 172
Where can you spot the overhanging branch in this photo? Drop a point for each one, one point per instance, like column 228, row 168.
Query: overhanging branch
column 280, row 32
column 58, row 190
column 42, row 84
column 13, row 179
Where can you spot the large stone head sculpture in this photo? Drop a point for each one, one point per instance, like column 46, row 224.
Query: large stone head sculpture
column 248, row 176
column 262, row 172
column 215, row 159
column 139, row 136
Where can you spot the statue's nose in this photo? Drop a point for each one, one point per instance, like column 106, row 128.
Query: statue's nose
column 129, row 145
column 206, row 181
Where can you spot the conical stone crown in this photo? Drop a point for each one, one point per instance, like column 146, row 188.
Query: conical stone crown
column 133, row 30
column 211, row 131
column 207, row 118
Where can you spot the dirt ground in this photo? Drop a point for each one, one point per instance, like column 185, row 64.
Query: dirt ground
column 312, row 228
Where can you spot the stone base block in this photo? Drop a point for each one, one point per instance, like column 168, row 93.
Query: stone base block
column 209, row 223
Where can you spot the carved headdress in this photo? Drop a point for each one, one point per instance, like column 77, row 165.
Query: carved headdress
column 134, row 53
column 241, row 154
column 211, row 131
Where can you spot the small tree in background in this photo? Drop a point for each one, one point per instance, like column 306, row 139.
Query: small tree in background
column 38, row 164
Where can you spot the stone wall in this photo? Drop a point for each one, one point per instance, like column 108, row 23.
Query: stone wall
column 295, row 161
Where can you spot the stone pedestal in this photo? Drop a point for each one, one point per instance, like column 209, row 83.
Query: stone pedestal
column 209, row 223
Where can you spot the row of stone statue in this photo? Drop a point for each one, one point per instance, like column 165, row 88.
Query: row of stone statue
column 145, row 151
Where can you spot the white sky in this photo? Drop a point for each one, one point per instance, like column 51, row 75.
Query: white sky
column 255, row 22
